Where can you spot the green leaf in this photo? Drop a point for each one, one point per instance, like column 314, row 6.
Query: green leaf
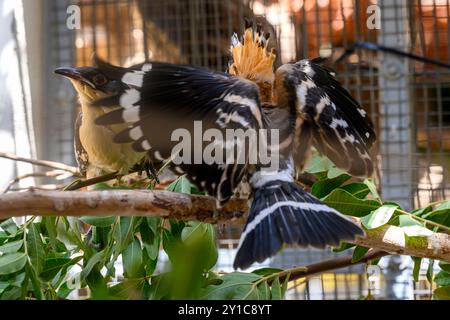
column 9, row 226
column 276, row 290
column 413, row 228
column 13, row 293
column 318, row 164
column 379, row 217
column 125, row 233
column 264, row 291
column 442, row 293
column 181, row 185
column 36, row 283
column 154, row 223
column 444, row 266
column 346, row 203
column 266, row 271
column 132, row 260
column 441, row 214
column 359, row 253
column 236, row 285
column 101, row 222
column 336, row 172
column 53, row 265
column 36, row 251
column 151, row 241
column 416, row 269
column 373, row 188
column 322, row 188
column 90, row 264
column 11, row 263
column 344, row 246
column 11, row 247
column 285, row 284
column 358, row 190
column 50, row 226
column 3, row 286
column 442, row 279
column 430, row 271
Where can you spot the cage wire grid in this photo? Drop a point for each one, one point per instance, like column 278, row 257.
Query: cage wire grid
column 410, row 104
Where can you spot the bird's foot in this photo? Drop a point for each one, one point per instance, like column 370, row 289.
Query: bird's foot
column 147, row 165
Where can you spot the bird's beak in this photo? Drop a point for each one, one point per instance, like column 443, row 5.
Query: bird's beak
column 74, row 74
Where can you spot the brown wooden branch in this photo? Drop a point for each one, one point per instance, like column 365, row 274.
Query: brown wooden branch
column 333, row 264
column 42, row 163
column 191, row 207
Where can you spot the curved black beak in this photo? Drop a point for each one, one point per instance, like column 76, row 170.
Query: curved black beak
column 74, row 74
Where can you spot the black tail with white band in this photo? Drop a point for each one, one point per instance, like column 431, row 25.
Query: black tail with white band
column 283, row 213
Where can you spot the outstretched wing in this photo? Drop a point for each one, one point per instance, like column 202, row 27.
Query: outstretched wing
column 327, row 116
column 165, row 104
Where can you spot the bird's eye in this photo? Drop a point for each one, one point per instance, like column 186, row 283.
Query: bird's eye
column 99, row 80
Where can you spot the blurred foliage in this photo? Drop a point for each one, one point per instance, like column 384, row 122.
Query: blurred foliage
column 50, row 257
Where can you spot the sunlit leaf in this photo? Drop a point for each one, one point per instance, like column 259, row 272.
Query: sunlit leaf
column 346, row 203
column 379, row 217
column 373, row 188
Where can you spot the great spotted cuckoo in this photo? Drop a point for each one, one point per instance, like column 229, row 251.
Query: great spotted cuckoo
column 95, row 152
column 303, row 102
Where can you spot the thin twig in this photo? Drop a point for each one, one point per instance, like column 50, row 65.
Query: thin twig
column 328, row 265
column 54, row 173
column 42, row 163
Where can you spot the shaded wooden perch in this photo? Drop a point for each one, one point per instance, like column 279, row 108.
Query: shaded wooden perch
column 191, row 207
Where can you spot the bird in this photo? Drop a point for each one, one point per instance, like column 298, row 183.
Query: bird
column 302, row 104
column 95, row 152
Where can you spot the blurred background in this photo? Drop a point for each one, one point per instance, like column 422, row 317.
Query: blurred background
column 409, row 101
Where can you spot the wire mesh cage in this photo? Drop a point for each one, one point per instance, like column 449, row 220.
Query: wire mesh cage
column 409, row 101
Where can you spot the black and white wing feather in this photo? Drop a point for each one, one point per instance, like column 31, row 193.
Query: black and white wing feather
column 327, row 116
column 162, row 102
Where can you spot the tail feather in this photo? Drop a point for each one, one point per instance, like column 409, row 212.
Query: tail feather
column 283, row 213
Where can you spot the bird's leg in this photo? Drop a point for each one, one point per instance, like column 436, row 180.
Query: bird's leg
column 147, row 165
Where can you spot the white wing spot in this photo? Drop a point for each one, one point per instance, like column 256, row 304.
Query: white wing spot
column 131, row 115
column 136, row 133
column 146, row 145
column 158, row 156
column 362, row 112
column 135, row 78
column 147, row 67
column 338, row 122
column 129, row 98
